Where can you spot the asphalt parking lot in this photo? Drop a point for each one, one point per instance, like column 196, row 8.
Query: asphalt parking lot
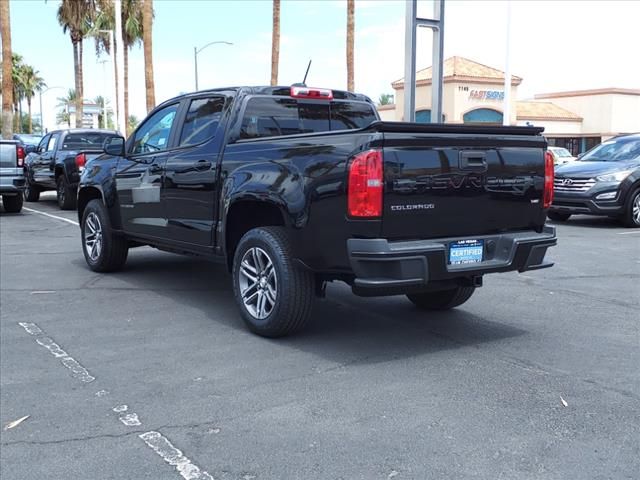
column 150, row 373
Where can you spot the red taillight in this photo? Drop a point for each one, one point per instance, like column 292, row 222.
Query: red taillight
column 365, row 185
column 81, row 159
column 317, row 93
column 547, row 195
column 20, row 156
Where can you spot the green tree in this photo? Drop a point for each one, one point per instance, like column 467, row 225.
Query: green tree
column 76, row 18
column 64, row 103
column 385, row 99
column 100, row 101
column 132, row 123
column 32, row 82
column 17, row 74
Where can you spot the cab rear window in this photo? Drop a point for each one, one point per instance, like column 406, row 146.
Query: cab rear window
column 273, row 117
column 85, row 141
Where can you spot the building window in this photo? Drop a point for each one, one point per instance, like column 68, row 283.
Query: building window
column 483, row 115
column 424, row 116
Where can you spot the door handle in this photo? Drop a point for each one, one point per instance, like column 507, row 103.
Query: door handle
column 155, row 169
column 202, row 165
column 472, row 160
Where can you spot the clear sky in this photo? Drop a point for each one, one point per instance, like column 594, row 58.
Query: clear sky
column 555, row 45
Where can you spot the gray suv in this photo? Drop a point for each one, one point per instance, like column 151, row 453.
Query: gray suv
column 11, row 175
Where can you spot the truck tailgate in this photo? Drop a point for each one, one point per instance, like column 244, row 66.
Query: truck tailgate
column 462, row 184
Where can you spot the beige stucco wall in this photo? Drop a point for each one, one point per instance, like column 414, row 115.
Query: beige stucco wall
column 456, row 102
column 606, row 113
column 388, row 115
column 551, row 126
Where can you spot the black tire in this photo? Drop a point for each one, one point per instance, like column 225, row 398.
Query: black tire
column 65, row 194
column 111, row 253
column 558, row 216
column 12, row 203
column 631, row 216
column 442, row 299
column 292, row 302
column 31, row 192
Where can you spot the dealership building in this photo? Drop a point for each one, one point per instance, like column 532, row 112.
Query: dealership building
column 474, row 93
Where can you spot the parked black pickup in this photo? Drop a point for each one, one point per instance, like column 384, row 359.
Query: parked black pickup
column 59, row 159
column 292, row 187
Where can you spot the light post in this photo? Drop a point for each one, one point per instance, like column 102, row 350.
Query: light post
column 40, row 92
column 104, row 98
column 196, row 51
column 113, row 84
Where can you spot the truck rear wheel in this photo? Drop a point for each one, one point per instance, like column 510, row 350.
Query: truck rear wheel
column 12, row 203
column 275, row 296
column 31, row 192
column 442, row 299
column 66, row 195
column 558, row 216
column 103, row 250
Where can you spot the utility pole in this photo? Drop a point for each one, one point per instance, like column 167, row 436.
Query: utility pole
column 436, row 24
column 506, row 108
column 196, row 51
column 121, row 124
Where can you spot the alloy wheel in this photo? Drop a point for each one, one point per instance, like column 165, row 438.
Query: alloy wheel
column 93, row 236
column 635, row 213
column 258, row 283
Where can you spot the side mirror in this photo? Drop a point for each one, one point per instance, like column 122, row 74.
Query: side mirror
column 30, row 149
column 114, row 146
column 580, row 156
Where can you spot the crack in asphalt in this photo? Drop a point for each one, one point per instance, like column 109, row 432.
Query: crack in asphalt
column 72, row 439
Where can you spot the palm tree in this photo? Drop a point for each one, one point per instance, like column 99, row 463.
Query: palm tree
column 102, row 121
column 385, row 99
column 64, row 103
column 32, row 82
column 103, row 21
column 17, row 74
column 147, row 35
column 132, row 123
column 350, row 31
column 7, row 68
column 75, row 17
column 275, row 42
column 131, row 35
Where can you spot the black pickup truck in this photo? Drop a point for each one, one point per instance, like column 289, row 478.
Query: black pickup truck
column 58, row 160
column 292, row 187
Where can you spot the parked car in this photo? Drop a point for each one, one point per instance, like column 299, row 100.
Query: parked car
column 292, row 187
column 561, row 155
column 58, row 161
column 12, row 156
column 28, row 141
column 604, row 181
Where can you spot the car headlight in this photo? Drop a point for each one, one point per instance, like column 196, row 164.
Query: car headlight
column 615, row 176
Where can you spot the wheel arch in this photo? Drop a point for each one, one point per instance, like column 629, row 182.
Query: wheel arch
column 85, row 195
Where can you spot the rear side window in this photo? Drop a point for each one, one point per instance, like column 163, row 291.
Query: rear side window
column 84, row 141
column 202, row 120
column 350, row 115
column 273, row 116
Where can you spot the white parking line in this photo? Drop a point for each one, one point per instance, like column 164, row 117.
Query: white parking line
column 67, row 360
column 170, row 454
column 628, row 233
column 52, row 216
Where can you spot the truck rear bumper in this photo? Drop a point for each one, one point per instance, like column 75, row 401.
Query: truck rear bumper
column 382, row 267
column 11, row 182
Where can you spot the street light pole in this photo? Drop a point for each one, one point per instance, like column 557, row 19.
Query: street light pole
column 112, row 92
column 196, row 51
column 40, row 92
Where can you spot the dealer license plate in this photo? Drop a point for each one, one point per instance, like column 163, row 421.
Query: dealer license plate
column 466, row 251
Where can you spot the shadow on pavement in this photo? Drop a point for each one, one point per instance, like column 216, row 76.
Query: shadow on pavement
column 370, row 330
column 590, row 221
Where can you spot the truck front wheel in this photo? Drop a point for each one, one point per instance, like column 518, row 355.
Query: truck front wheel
column 103, row 250
column 275, row 295
column 442, row 299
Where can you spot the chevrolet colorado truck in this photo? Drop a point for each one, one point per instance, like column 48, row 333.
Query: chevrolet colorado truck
column 58, row 160
column 12, row 156
column 293, row 187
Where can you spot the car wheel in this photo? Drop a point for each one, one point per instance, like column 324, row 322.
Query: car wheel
column 275, row 295
column 442, row 299
column 104, row 251
column 66, row 195
column 632, row 215
column 31, row 192
column 558, row 216
column 12, row 203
